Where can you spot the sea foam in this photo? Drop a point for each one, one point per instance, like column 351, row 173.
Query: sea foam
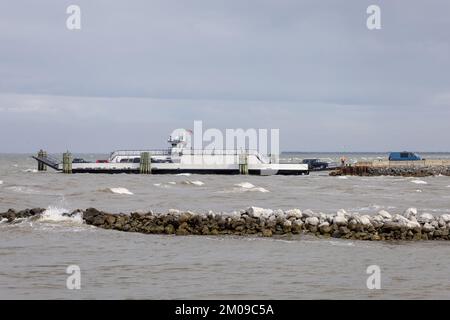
column 55, row 214
column 121, row 191
column 419, row 182
column 195, row 183
column 249, row 187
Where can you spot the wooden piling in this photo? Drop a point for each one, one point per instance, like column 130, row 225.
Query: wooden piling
column 67, row 163
column 145, row 166
column 42, row 155
column 243, row 164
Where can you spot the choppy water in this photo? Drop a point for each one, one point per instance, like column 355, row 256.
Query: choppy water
column 35, row 254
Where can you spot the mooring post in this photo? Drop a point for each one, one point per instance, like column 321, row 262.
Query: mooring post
column 42, row 155
column 243, row 163
column 67, row 162
column 145, row 163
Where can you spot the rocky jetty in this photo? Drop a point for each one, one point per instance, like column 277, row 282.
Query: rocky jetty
column 410, row 225
column 393, row 171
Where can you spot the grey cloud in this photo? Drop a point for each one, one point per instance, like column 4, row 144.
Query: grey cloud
column 311, row 68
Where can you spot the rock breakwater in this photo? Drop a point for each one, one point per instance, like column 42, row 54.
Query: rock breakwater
column 410, row 171
column 410, row 225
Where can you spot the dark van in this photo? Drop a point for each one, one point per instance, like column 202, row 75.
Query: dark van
column 404, row 156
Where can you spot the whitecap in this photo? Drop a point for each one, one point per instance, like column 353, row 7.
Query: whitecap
column 419, row 191
column 419, row 182
column 121, row 191
column 343, row 177
column 184, row 174
column 23, row 189
column 30, row 170
column 245, row 185
column 195, row 183
column 1, row 182
column 172, row 183
column 55, row 214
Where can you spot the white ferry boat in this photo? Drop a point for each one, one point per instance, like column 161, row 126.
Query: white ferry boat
column 176, row 160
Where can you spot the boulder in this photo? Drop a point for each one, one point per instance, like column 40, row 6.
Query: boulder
column 90, row 214
column 325, row 228
column 391, row 225
column 340, row 220
column 385, row 214
column 256, row 212
column 312, row 221
column 294, row 213
column 342, row 213
column 428, row 228
column 425, row 218
column 287, row 226
column 409, row 213
column 377, row 221
column 308, row 213
column 365, row 221
column 297, row 226
column 414, row 225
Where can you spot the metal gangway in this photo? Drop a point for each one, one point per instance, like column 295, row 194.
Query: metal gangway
column 49, row 161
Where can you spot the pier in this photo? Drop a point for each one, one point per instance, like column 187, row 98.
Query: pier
column 219, row 162
column 419, row 168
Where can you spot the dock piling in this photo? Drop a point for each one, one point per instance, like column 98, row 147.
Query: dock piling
column 145, row 166
column 243, row 164
column 67, row 163
column 41, row 165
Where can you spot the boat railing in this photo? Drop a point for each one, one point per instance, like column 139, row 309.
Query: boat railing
column 192, row 152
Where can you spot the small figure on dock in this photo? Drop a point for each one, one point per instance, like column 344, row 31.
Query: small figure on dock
column 343, row 160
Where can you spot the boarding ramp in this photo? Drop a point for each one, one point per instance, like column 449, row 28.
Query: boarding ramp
column 49, row 161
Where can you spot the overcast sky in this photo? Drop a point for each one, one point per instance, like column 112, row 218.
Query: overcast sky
column 139, row 69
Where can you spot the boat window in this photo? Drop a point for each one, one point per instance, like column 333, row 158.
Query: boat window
column 404, row 155
column 137, row 160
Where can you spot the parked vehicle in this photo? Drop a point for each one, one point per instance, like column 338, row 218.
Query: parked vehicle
column 315, row 164
column 79, row 160
column 404, row 156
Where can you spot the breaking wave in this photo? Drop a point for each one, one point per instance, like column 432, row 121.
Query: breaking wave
column 55, row 214
column 197, row 183
column 23, row 189
column 118, row 190
column 31, row 170
column 419, row 182
column 246, row 187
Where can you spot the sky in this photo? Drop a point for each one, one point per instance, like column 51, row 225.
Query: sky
column 137, row 70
